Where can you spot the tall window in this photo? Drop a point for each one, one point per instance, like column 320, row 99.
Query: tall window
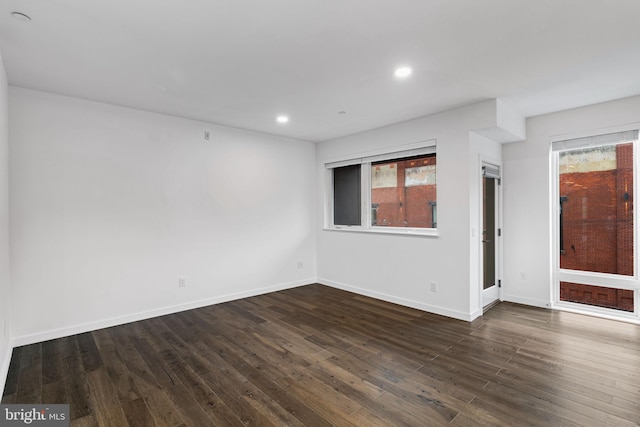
column 395, row 191
column 595, row 223
column 597, row 209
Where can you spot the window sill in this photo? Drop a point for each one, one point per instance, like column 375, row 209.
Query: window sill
column 596, row 311
column 430, row 232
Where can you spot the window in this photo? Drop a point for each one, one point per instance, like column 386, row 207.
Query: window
column 389, row 192
column 596, row 210
column 595, row 225
column 346, row 195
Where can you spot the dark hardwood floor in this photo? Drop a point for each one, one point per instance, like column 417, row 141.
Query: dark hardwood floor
column 317, row 356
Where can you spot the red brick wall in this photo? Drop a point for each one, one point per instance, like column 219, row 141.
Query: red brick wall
column 598, row 230
column 598, row 218
column 402, row 206
column 621, row 299
column 589, row 221
column 624, row 214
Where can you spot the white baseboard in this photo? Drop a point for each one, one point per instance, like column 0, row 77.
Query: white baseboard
column 402, row 301
column 105, row 323
column 474, row 315
column 526, row 301
column 121, row 320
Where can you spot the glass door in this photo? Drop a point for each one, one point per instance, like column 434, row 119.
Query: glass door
column 490, row 233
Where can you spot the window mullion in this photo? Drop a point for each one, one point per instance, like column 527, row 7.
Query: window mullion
column 365, row 169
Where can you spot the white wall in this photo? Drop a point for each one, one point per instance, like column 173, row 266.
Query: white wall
column 5, row 288
column 527, row 236
column 110, row 206
column 401, row 268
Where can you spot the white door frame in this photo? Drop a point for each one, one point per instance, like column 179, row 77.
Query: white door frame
column 495, row 293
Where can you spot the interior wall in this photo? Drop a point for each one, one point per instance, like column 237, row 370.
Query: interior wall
column 111, row 206
column 400, row 268
column 5, row 288
column 527, row 186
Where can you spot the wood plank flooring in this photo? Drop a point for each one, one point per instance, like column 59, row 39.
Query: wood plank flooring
column 317, row 356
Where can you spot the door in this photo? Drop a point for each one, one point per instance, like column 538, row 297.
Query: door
column 490, row 234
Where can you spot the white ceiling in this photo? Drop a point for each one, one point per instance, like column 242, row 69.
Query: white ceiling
column 242, row 62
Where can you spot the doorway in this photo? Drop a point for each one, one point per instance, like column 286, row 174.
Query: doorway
column 490, row 234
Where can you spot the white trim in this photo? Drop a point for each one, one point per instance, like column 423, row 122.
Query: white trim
column 555, row 222
column 496, row 163
column 427, row 143
column 121, row 320
column 398, row 231
column 342, row 163
column 4, row 369
column 534, row 302
column 597, row 312
column 328, row 198
column 591, row 132
column 423, row 151
column 402, row 301
column 365, row 197
column 597, row 279
column 595, row 140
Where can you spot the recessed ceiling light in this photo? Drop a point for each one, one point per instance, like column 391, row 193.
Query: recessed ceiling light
column 21, row 16
column 282, row 119
column 403, row 72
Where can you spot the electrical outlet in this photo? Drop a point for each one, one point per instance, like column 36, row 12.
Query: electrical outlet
column 182, row 282
column 300, row 264
column 207, row 135
column 434, row 286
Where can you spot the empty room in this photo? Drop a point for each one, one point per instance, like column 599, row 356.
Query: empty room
column 319, row 213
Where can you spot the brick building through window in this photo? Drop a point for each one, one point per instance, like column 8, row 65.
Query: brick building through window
column 403, row 192
column 596, row 227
